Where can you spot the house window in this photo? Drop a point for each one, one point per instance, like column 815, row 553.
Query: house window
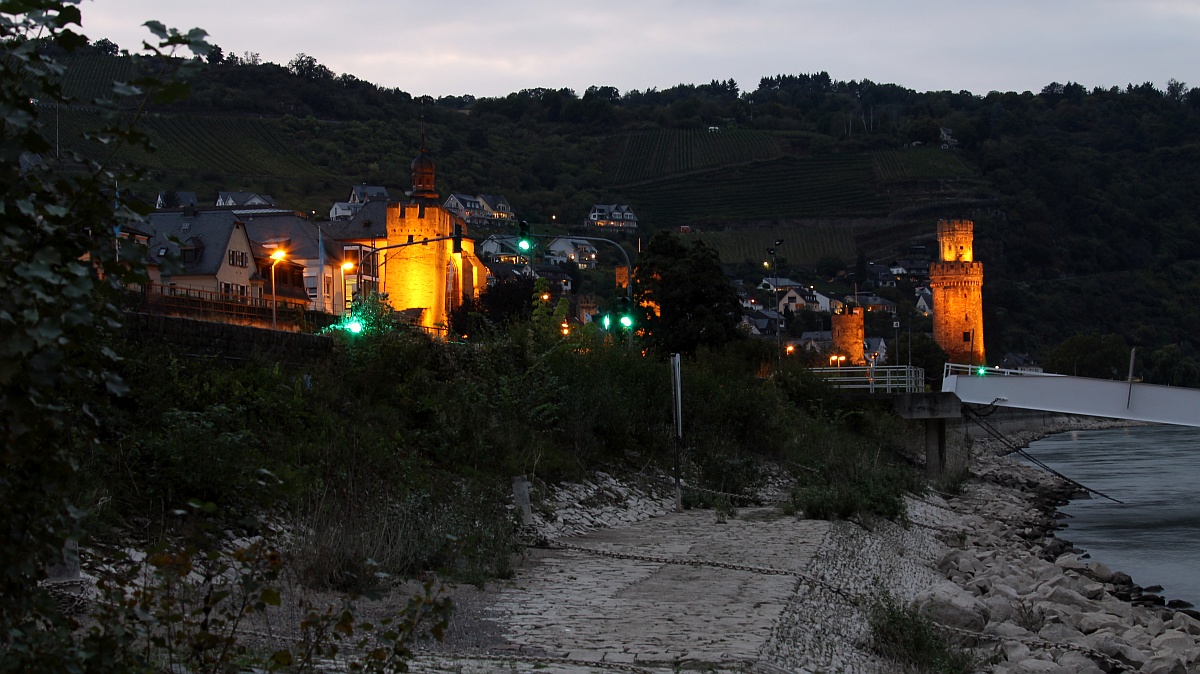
column 966, row 336
column 239, row 258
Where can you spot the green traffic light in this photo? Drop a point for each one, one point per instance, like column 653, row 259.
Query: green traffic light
column 355, row 326
column 606, row 321
column 627, row 321
column 523, row 244
column 981, row 371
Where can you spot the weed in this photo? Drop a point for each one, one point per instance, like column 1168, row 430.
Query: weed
column 904, row 635
column 953, row 483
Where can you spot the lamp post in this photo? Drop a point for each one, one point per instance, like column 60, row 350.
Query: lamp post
column 775, row 296
column 276, row 258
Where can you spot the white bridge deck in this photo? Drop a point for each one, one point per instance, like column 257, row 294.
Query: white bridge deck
column 1073, row 395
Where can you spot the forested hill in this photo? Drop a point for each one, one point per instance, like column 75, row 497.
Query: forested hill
column 1084, row 198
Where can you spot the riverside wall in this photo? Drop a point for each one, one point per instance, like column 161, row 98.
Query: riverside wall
column 225, row 341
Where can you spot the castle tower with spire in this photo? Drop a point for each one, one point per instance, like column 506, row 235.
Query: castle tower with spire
column 957, row 286
column 427, row 279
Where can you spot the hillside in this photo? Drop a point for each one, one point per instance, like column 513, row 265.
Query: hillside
column 1067, row 183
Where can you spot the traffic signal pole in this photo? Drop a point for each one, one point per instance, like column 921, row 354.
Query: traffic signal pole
column 526, row 232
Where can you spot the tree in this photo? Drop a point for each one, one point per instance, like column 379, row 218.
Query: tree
column 1090, row 355
column 687, row 299
column 307, row 67
column 65, row 256
column 926, row 354
column 106, row 46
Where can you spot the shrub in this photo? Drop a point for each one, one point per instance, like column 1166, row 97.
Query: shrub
column 904, row 635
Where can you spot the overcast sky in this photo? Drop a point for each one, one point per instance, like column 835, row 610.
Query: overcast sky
column 490, row 48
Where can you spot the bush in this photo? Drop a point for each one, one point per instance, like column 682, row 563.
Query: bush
column 904, row 635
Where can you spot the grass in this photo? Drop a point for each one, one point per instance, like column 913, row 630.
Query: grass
column 904, row 635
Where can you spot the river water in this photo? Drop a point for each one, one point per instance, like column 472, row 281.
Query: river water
column 1154, row 535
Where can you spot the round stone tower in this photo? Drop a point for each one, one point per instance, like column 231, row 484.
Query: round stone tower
column 957, row 286
column 849, row 334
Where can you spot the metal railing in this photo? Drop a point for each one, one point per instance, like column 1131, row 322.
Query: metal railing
column 877, row 379
column 201, row 303
column 961, row 370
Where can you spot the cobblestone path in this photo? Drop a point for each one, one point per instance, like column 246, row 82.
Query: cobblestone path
column 633, row 615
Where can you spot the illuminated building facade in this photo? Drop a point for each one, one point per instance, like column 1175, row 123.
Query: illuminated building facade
column 848, row 334
column 957, row 286
column 430, row 279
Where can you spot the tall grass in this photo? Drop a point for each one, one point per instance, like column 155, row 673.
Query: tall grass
column 396, row 453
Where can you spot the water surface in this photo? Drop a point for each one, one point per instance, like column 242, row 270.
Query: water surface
column 1154, row 535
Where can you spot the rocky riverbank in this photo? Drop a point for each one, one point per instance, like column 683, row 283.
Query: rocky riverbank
column 985, row 564
column 1046, row 608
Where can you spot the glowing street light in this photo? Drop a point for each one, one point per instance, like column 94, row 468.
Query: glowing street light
column 276, row 258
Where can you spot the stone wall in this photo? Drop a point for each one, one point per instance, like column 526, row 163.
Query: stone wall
column 222, row 340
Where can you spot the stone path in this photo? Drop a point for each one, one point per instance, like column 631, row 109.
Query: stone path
column 650, row 615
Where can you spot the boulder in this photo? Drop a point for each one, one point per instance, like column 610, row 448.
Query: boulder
column 1060, row 633
column 1077, row 663
column 1170, row 663
column 1070, row 561
column 1117, row 649
column 1014, row 651
column 999, row 609
column 1185, row 623
column 1007, row 630
column 1092, row 590
column 1094, row 622
column 1172, row 641
column 1031, row 666
column 1100, row 572
column 951, row 605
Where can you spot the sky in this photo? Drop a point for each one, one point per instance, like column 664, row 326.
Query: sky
column 487, row 48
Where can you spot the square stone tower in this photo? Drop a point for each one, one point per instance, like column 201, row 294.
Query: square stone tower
column 957, row 286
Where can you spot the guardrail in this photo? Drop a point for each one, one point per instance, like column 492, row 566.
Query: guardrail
column 961, row 370
column 209, row 305
column 878, row 379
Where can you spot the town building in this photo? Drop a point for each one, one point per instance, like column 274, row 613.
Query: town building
column 615, row 216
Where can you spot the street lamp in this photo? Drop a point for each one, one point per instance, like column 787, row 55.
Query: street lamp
column 276, row 258
column 836, row 360
column 775, row 295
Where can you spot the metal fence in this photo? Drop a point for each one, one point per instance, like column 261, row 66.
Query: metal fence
column 210, row 305
column 878, row 379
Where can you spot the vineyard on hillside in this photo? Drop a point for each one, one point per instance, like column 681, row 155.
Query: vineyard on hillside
column 788, row 187
column 195, row 152
column 647, row 155
column 89, row 77
column 803, row 244
column 919, row 163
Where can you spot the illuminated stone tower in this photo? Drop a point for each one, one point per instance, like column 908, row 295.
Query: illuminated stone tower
column 849, row 334
column 430, row 277
column 957, row 285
